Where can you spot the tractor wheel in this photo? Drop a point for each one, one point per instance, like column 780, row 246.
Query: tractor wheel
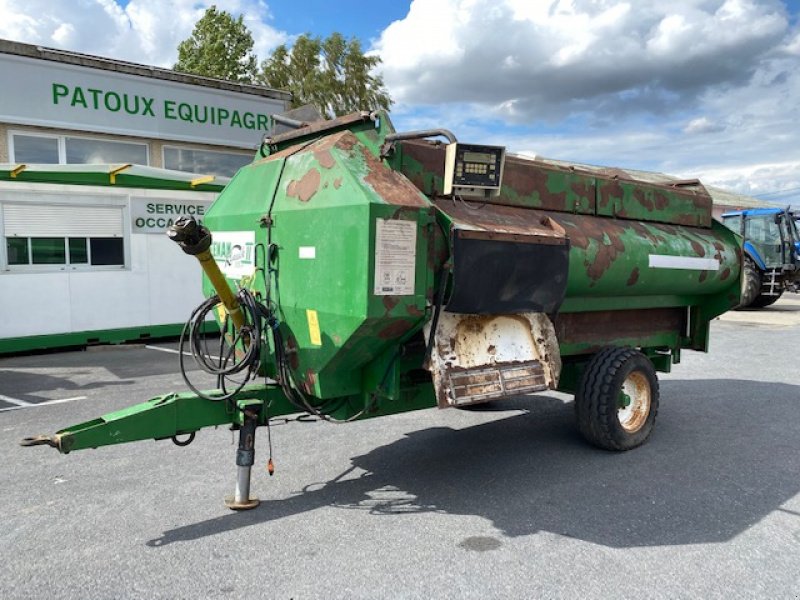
column 617, row 399
column 762, row 300
column 751, row 283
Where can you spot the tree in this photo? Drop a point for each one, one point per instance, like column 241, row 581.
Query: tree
column 220, row 46
column 333, row 75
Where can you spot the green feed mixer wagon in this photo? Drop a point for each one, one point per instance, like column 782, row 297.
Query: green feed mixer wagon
column 357, row 272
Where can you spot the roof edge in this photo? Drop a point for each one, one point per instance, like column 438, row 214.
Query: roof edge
column 131, row 68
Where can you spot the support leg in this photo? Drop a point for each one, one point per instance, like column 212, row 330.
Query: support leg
column 245, row 457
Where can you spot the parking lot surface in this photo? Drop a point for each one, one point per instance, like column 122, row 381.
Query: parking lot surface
column 506, row 502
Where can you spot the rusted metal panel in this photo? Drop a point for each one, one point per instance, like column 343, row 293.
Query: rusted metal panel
column 477, row 358
column 603, row 327
column 320, row 127
column 543, row 185
column 534, row 226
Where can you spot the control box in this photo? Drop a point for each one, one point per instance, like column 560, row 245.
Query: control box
column 473, row 170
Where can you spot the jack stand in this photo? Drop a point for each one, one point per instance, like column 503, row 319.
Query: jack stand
column 245, row 458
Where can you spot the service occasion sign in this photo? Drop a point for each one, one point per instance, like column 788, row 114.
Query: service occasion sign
column 52, row 94
column 151, row 215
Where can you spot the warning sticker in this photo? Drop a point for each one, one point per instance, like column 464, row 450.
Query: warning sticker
column 313, row 327
column 395, row 257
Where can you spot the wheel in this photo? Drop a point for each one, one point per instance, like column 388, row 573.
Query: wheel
column 751, row 283
column 617, row 399
column 763, row 300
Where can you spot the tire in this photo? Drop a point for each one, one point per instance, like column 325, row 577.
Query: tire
column 600, row 418
column 763, row 300
column 751, row 283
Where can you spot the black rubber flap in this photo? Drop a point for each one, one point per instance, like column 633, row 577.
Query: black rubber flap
column 492, row 276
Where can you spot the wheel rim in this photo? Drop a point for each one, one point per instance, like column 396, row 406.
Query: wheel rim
column 633, row 416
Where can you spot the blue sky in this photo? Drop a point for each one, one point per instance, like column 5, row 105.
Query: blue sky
column 694, row 88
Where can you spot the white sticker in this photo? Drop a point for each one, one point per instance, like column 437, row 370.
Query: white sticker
column 665, row 261
column 308, row 252
column 234, row 252
column 395, row 257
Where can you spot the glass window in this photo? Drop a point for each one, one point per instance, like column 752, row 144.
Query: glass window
column 88, row 151
column 78, row 253
column 35, row 149
column 734, row 223
column 209, row 162
column 72, row 251
column 48, row 251
column 107, row 251
column 17, row 250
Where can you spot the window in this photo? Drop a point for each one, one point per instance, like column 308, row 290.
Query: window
column 98, row 252
column 74, row 150
column 35, row 149
column 89, row 151
column 56, row 236
column 734, row 223
column 209, row 162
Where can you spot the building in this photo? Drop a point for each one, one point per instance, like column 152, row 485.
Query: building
column 62, row 107
column 97, row 157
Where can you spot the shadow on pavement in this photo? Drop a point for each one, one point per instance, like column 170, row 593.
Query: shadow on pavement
column 717, row 463
column 26, row 385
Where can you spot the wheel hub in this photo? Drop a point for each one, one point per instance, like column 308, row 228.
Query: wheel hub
column 633, row 414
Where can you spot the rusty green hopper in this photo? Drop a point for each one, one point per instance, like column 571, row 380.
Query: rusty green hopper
column 379, row 293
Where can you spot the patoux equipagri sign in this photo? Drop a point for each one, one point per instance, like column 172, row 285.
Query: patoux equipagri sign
column 52, row 94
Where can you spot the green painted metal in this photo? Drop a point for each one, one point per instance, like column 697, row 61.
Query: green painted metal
column 93, row 337
column 134, row 176
column 314, row 199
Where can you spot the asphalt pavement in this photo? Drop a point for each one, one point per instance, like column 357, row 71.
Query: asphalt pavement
column 506, row 502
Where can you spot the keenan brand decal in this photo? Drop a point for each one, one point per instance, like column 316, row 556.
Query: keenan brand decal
column 144, row 106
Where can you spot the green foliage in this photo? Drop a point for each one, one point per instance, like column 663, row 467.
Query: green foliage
column 220, row 46
column 332, row 74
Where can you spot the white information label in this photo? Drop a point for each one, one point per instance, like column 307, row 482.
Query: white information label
column 664, row 261
column 308, row 252
column 395, row 257
column 234, row 252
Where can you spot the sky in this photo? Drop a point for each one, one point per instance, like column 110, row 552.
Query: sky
column 692, row 88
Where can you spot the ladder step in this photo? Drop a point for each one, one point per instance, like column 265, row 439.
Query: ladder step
column 480, row 384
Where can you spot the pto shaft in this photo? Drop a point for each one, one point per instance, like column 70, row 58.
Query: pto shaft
column 195, row 240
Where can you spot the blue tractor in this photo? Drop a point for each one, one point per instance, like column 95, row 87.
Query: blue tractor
column 772, row 253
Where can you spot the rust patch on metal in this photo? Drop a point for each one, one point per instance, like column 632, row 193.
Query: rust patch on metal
column 698, row 248
column 634, row 276
column 389, row 302
column 602, row 326
column 606, row 254
column 309, row 380
column 726, row 272
column 640, row 196
column 320, row 127
column 291, row 345
column 498, row 219
column 661, row 201
column 324, row 158
column 394, row 330
column 703, row 276
column 304, row 188
column 337, row 183
column 414, row 311
column 390, row 185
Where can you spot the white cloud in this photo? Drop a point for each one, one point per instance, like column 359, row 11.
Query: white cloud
column 551, row 58
column 702, row 125
column 707, row 88
column 144, row 31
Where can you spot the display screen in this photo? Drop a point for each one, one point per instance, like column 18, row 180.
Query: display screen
column 479, row 157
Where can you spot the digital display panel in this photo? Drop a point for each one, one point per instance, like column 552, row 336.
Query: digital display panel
column 479, row 157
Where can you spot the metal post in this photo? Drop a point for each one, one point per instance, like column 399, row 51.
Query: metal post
column 245, row 457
